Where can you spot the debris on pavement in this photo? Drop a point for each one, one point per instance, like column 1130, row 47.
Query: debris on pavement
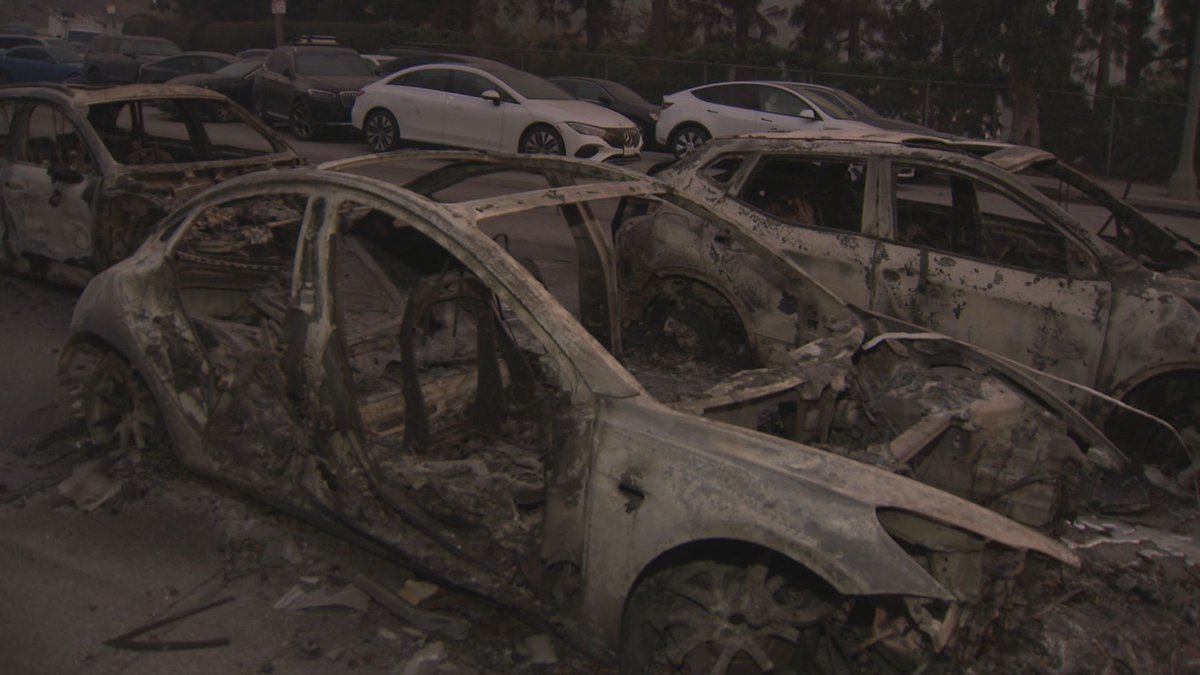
column 300, row 597
column 426, row 661
column 127, row 641
column 416, row 592
column 89, row 485
column 452, row 627
column 539, row 649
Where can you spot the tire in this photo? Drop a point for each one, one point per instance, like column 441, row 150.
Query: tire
column 685, row 139
column 541, row 139
column 301, row 123
column 381, row 131
column 718, row 617
column 1173, row 398
column 119, row 410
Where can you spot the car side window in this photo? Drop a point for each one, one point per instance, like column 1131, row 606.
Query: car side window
column 961, row 215
column 435, row 79
column 722, row 170
column 806, row 191
column 53, row 141
column 736, row 95
column 30, row 53
column 276, row 62
column 588, row 91
column 782, row 102
column 6, row 116
column 470, row 84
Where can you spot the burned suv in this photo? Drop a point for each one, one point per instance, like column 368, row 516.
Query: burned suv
column 86, row 173
column 310, row 87
column 436, row 367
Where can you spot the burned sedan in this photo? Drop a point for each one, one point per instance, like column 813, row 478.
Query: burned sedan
column 921, row 229
column 401, row 363
column 86, row 172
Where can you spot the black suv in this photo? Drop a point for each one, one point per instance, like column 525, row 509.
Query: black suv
column 310, row 87
column 117, row 58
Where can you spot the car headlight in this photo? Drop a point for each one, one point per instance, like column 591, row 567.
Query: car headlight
column 321, row 95
column 586, row 129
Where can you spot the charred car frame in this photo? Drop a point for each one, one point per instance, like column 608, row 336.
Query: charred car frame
column 366, row 356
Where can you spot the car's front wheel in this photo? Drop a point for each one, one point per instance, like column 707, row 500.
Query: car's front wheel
column 119, row 410
column 301, row 123
column 718, row 618
column 381, row 131
column 541, row 140
column 687, row 138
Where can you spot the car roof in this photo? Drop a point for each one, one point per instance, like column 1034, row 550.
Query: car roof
column 84, row 95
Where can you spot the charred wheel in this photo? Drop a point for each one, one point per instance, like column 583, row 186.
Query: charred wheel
column 118, row 407
column 717, row 617
column 1173, row 398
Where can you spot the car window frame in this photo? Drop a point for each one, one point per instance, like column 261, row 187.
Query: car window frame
column 887, row 181
column 751, row 167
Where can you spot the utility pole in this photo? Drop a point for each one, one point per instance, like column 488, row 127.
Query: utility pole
column 1183, row 182
column 278, row 9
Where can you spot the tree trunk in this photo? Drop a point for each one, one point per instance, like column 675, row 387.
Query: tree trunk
column 595, row 21
column 660, row 22
column 1104, row 55
column 1138, row 51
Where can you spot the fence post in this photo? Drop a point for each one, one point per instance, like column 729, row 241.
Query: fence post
column 1112, row 132
column 706, row 72
column 925, row 110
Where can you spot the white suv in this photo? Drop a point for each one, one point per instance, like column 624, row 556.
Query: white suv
column 692, row 116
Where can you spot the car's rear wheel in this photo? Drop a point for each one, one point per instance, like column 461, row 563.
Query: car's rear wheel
column 541, row 139
column 301, row 123
column 119, row 410
column 381, row 131
column 1173, row 398
column 685, row 139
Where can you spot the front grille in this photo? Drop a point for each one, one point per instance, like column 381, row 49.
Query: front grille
column 628, row 137
column 347, row 98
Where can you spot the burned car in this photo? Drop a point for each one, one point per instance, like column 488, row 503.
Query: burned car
column 86, row 172
column 410, row 367
column 921, row 229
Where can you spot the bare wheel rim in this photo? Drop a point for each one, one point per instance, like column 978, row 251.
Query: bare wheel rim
column 119, row 409
column 542, row 142
column 687, row 140
column 381, row 132
column 728, row 619
column 301, row 124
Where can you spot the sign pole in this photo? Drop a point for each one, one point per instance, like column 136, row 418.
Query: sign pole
column 278, row 9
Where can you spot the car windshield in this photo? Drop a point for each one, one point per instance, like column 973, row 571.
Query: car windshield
column 839, row 104
column 623, row 94
column 332, row 63
column 530, row 85
column 240, row 68
column 156, row 48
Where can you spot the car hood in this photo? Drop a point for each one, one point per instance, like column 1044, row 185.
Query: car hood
column 579, row 111
column 337, row 82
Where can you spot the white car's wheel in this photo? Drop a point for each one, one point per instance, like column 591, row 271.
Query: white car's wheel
column 541, row 140
column 381, row 131
column 686, row 139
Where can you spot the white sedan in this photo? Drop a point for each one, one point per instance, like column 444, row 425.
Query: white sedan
column 489, row 107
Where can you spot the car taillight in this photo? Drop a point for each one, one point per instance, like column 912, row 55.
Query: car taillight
column 667, row 104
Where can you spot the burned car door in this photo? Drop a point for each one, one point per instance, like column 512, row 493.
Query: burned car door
column 48, row 189
column 812, row 208
column 976, row 262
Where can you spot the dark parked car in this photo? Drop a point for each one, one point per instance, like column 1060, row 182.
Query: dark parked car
column 407, row 57
column 184, row 64
column 9, row 40
column 615, row 96
column 118, row 58
column 235, row 80
column 253, row 53
column 310, row 87
column 36, row 63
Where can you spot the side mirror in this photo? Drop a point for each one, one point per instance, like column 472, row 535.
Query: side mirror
column 605, row 99
column 491, row 95
column 810, row 115
column 61, row 173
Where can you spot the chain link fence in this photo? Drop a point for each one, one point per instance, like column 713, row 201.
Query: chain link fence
column 1111, row 135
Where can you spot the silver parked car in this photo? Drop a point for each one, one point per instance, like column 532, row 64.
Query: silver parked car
column 376, row 360
column 921, row 229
